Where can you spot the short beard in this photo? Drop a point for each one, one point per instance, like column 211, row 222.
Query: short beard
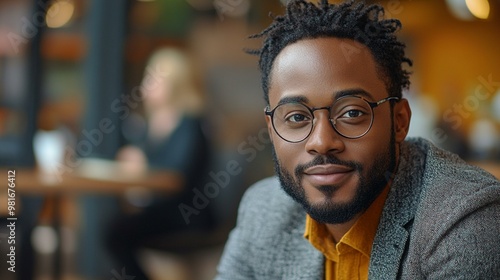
column 368, row 189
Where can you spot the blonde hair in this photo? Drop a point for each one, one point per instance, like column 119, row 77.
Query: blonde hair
column 177, row 67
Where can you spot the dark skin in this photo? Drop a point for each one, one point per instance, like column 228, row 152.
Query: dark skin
column 318, row 71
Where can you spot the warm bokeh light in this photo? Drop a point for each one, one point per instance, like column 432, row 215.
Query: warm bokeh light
column 479, row 8
column 59, row 14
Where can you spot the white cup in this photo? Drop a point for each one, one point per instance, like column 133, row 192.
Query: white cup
column 48, row 147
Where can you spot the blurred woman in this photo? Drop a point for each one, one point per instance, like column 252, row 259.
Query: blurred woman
column 174, row 139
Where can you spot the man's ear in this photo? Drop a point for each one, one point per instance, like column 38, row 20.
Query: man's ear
column 269, row 127
column 402, row 117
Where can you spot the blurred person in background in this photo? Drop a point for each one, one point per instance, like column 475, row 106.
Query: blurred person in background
column 174, row 139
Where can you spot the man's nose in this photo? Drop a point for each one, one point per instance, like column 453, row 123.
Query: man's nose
column 324, row 139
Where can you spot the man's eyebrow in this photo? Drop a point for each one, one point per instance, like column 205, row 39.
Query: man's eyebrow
column 293, row 99
column 337, row 95
column 351, row 92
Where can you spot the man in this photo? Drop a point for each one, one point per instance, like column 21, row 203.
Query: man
column 359, row 201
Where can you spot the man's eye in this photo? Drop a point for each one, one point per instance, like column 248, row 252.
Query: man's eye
column 296, row 118
column 352, row 114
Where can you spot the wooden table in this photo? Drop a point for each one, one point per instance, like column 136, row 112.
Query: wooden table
column 94, row 176
column 91, row 176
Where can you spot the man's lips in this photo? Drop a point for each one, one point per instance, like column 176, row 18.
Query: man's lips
column 329, row 174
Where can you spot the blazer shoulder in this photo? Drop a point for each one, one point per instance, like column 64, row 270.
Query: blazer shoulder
column 266, row 203
column 268, row 242
column 449, row 180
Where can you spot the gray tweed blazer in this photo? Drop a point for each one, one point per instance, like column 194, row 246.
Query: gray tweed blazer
column 441, row 220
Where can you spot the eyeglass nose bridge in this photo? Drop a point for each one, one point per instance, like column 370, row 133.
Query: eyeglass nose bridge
column 314, row 109
column 330, row 120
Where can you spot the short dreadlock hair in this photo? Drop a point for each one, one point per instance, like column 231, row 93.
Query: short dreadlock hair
column 349, row 20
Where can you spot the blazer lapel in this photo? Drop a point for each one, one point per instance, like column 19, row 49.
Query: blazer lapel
column 387, row 253
column 390, row 244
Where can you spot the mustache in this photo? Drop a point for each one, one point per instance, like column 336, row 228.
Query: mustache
column 326, row 159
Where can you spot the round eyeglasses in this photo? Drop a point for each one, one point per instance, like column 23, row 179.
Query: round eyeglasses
column 350, row 116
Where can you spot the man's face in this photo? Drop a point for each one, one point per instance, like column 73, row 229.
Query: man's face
column 333, row 177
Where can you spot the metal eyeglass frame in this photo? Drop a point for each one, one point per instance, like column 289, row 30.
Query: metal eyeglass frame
column 312, row 110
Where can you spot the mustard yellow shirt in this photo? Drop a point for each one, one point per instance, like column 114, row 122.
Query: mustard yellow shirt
column 350, row 257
